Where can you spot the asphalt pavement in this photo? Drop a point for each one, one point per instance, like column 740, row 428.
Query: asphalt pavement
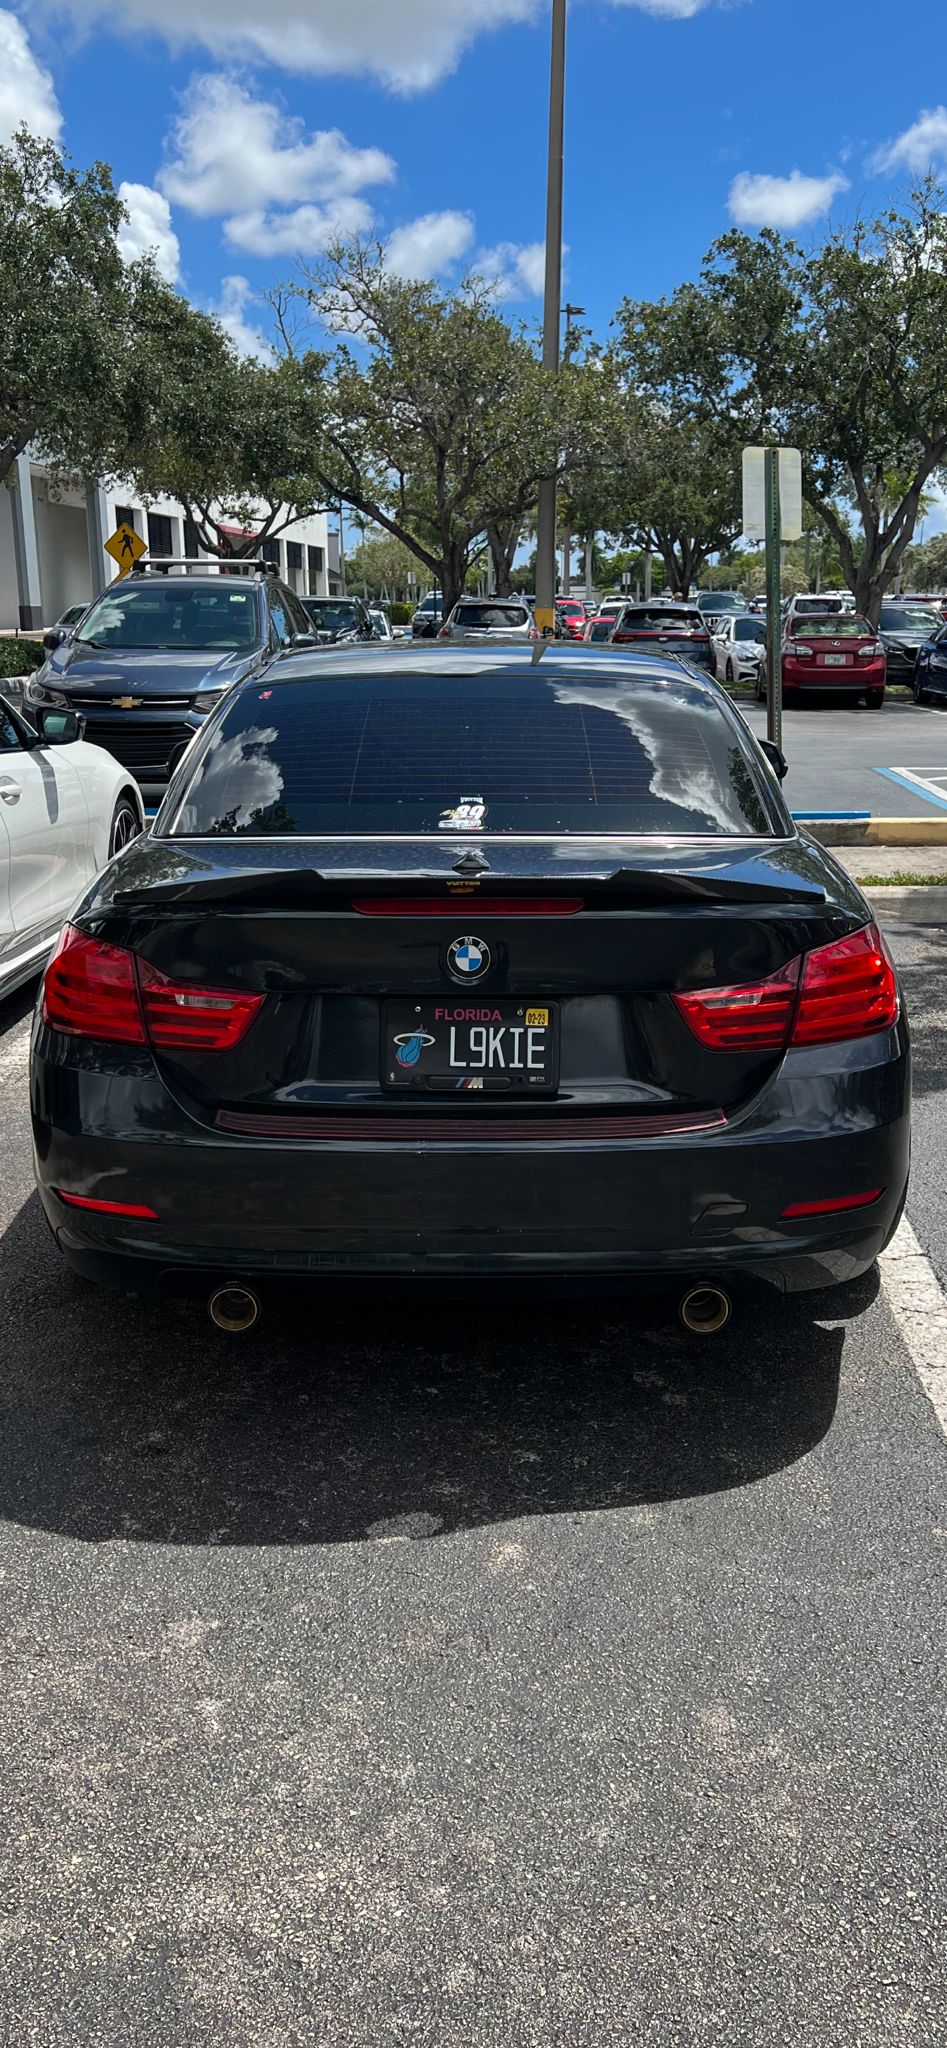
column 470, row 1677
column 842, row 757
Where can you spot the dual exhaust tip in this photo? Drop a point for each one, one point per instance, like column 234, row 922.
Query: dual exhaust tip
column 704, row 1310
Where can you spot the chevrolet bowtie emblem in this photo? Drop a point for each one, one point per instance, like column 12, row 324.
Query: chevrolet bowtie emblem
column 126, row 703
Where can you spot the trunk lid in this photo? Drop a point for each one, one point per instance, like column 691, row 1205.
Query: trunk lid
column 602, row 932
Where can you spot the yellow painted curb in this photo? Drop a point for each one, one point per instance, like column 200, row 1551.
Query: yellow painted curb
column 878, row 831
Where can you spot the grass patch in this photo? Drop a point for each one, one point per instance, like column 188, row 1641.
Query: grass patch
column 901, row 879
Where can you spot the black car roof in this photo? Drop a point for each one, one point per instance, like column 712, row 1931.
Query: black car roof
column 578, row 664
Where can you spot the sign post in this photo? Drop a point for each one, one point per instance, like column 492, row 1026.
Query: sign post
column 126, row 547
column 774, row 597
column 772, row 513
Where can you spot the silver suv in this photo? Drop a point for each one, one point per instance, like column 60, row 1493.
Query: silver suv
column 490, row 618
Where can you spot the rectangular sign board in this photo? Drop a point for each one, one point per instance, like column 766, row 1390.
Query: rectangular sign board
column 790, row 493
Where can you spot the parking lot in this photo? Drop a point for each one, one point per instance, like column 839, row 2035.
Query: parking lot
column 843, row 758
column 460, row 1673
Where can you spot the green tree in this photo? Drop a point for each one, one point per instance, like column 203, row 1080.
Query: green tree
column 222, row 433
column 442, row 421
column 67, row 307
column 842, row 353
column 381, row 564
column 925, row 566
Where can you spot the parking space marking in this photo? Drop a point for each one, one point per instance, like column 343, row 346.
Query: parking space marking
column 920, row 783
column 919, row 1306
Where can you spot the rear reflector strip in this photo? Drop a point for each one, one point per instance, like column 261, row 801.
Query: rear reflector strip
column 839, row 1203
column 397, row 1128
column 108, row 1208
column 486, row 905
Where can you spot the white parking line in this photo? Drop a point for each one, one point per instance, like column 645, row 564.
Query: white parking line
column 919, row 1306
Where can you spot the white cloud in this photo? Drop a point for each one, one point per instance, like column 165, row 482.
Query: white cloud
column 148, row 227
column 409, row 45
column 761, row 201
column 231, row 154
column 514, row 270
column 668, row 10
column 428, row 245
column 236, row 294
column 922, row 145
column 27, row 92
column 302, row 231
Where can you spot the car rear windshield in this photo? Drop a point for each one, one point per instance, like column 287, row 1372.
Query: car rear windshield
column 163, row 614
column 331, row 615
column 805, row 605
column 491, row 615
column 909, row 618
column 663, row 619
column 834, row 626
column 552, row 753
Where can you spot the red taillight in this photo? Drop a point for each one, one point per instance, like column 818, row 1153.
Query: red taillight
column 94, row 990
column 135, row 1209
column 449, row 906
column 206, row 1019
column 846, row 989
column 849, row 989
column 833, row 1207
column 750, row 1017
column 90, row 991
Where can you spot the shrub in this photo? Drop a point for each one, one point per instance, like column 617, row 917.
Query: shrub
column 20, row 657
column 400, row 614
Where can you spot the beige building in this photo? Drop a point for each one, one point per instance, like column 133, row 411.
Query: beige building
column 52, row 551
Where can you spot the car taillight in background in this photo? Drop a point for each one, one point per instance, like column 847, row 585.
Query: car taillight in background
column 95, row 990
column 870, row 650
column 844, row 990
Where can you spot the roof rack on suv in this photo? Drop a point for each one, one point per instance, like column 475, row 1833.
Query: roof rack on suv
column 160, row 564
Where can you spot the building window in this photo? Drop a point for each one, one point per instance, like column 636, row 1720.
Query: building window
column 294, row 554
column 124, row 516
column 269, row 552
column 316, row 566
column 192, row 546
column 159, row 534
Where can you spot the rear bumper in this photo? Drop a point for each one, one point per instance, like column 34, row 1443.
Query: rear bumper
column 831, row 1123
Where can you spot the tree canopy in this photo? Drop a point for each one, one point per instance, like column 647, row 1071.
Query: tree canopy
column 440, row 418
column 68, row 307
column 842, row 353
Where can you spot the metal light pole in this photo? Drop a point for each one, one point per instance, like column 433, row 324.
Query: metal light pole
column 546, row 524
column 572, row 313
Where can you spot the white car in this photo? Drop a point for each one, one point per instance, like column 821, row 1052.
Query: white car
column 65, row 808
column 737, row 646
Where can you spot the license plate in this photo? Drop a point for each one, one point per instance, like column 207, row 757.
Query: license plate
column 834, row 660
column 471, row 1048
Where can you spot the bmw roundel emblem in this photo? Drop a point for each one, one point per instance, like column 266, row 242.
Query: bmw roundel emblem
column 469, row 959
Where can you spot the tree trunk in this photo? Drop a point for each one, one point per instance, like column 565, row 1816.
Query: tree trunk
column 503, row 542
column 453, row 575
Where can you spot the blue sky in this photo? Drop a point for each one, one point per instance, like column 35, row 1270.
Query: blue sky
column 247, row 138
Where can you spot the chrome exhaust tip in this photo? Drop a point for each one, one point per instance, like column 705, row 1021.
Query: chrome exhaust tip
column 705, row 1309
column 234, row 1308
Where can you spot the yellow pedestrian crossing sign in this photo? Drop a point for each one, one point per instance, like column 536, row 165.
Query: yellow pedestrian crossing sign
column 125, row 547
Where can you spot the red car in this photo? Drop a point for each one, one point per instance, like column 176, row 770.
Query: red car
column 832, row 651
column 570, row 612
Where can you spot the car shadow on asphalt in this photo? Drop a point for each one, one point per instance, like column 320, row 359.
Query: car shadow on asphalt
column 362, row 1418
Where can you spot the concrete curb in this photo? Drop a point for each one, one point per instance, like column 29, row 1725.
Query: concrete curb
column 900, row 905
column 877, row 831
